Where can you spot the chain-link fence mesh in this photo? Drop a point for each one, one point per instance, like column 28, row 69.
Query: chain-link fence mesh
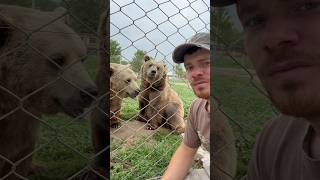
column 46, row 87
column 153, row 28
column 236, row 86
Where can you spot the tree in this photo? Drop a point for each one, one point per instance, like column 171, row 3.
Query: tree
column 115, row 52
column 224, row 32
column 179, row 71
column 86, row 13
column 137, row 60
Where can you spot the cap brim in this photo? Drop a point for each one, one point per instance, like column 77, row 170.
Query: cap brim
column 221, row 3
column 180, row 51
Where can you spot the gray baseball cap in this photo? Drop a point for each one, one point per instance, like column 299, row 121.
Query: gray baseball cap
column 220, row 3
column 201, row 40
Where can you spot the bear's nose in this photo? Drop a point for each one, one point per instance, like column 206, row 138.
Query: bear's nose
column 87, row 94
column 137, row 91
column 153, row 71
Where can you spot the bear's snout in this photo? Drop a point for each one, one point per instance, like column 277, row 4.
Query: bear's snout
column 88, row 94
column 136, row 92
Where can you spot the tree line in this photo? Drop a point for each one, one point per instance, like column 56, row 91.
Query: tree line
column 137, row 60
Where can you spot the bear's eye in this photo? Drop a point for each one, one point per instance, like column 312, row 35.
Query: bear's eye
column 128, row 80
column 58, row 59
column 150, row 65
column 158, row 68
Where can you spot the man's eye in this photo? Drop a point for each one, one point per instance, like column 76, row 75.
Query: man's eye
column 188, row 68
column 254, row 22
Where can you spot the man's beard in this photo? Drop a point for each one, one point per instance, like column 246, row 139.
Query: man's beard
column 296, row 101
column 204, row 94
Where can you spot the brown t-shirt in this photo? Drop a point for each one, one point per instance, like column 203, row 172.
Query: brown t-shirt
column 198, row 125
column 281, row 153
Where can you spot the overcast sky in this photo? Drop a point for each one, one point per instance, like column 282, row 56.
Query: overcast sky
column 156, row 26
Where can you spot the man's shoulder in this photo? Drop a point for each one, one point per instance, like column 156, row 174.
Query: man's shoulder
column 198, row 102
column 280, row 130
column 277, row 144
column 282, row 122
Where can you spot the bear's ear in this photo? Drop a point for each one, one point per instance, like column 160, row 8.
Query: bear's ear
column 146, row 58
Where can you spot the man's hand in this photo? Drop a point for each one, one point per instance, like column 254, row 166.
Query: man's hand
column 180, row 163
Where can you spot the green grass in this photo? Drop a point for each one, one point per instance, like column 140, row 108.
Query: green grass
column 147, row 157
column 225, row 61
column 248, row 110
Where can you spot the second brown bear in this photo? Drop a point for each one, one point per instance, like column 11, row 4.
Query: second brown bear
column 158, row 103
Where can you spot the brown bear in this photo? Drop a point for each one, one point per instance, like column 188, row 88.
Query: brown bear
column 123, row 83
column 41, row 72
column 158, row 103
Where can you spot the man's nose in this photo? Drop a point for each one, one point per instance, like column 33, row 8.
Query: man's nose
column 280, row 32
column 196, row 71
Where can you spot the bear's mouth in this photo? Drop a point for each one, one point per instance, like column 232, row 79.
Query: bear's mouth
column 72, row 112
column 132, row 95
column 151, row 75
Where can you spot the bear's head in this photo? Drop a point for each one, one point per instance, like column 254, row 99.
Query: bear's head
column 42, row 62
column 123, row 81
column 153, row 71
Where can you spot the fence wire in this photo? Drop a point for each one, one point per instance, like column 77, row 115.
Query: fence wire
column 237, row 88
column 152, row 28
column 49, row 58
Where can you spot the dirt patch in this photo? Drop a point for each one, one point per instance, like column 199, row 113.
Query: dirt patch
column 130, row 131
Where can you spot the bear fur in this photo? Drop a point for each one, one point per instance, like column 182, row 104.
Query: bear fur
column 158, row 103
column 41, row 72
column 123, row 83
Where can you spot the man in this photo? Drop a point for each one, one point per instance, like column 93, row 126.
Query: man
column 282, row 39
column 195, row 54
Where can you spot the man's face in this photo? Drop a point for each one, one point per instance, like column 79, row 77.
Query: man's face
column 283, row 42
column 197, row 66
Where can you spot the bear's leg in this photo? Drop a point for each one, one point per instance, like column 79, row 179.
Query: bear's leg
column 175, row 121
column 115, row 120
column 143, row 106
column 142, row 113
column 155, row 118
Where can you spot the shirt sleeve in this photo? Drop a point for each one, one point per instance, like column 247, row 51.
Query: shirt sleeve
column 258, row 161
column 191, row 137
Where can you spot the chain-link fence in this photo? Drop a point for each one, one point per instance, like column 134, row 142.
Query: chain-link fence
column 153, row 28
column 49, row 58
column 236, row 86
